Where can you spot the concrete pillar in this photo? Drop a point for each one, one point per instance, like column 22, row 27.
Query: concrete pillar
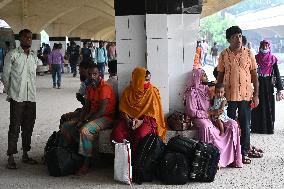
column 163, row 36
column 57, row 40
column 130, row 38
column 36, row 43
column 172, row 32
column 77, row 40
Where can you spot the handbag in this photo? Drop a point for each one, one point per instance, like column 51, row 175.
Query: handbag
column 178, row 121
column 279, row 96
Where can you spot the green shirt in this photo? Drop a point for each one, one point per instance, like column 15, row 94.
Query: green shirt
column 19, row 75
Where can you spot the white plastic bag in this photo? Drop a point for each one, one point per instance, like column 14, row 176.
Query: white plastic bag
column 122, row 162
column 1, row 87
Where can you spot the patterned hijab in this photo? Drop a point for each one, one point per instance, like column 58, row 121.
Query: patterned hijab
column 265, row 61
column 196, row 90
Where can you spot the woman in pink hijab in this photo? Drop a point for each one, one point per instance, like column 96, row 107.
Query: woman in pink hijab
column 263, row 116
column 197, row 103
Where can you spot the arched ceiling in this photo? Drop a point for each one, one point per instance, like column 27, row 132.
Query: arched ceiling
column 75, row 18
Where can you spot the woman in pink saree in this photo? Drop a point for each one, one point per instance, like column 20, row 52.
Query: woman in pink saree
column 197, row 101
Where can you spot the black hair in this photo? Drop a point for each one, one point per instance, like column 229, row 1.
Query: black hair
column 84, row 65
column 22, row 32
column 215, row 72
column 244, row 40
column 219, row 86
column 233, row 30
column 93, row 66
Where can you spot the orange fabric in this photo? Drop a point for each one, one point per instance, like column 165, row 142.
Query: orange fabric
column 102, row 92
column 137, row 102
column 196, row 63
column 237, row 78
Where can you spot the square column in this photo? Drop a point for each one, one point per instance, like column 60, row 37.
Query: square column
column 130, row 39
column 166, row 36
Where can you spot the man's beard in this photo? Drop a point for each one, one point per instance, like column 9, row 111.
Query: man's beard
column 26, row 46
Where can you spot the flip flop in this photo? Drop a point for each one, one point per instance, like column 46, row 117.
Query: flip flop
column 29, row 161
column 12, row 165
column 254, row 154
column 257, row 149
column 246, row 160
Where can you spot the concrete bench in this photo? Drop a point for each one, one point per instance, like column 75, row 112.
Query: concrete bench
column 104, row 144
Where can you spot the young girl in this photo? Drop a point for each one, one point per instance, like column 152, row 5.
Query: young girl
column 219, row 104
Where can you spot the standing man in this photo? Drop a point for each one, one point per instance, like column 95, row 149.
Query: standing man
column 204, row 46
column 101, row 57
column 73, row 54
column 214, row 54
column 237, row 70
column 19, row 80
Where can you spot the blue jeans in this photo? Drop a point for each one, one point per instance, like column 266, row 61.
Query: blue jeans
column 101, row 66
column 244, row 117
column 56, row 72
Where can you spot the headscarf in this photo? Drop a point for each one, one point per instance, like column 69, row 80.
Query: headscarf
column 196, row 90
column 265, row 61
column 136, row 101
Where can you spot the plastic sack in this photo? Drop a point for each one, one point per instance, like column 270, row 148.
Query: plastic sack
column 122, row 162
column 1, row 87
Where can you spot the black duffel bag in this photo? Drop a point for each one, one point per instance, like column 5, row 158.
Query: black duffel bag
column 173, row 169
column 202, row 158
column 150, row 150
column 183, row 145
column 61, row 162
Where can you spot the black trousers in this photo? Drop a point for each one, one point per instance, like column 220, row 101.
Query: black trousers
column 244, row 117
column 22, row 115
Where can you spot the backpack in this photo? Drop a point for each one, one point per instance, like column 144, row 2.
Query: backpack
column 52, row 142
column 149, row 152
column 61, row 162
column 173, row 169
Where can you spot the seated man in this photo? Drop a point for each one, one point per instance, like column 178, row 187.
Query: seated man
column 83, row 71
column 97, row 114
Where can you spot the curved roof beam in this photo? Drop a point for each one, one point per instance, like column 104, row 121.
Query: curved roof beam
column 93, row 25
column 73, row 27
column 104, row 31
column 3, row 3
column 58, row 16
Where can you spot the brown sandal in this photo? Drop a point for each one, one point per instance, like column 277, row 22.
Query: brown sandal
column 246, row 160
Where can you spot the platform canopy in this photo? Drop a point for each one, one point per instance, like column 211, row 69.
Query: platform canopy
column 89, row 19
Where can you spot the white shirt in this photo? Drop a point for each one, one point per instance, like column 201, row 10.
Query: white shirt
column 19, row 75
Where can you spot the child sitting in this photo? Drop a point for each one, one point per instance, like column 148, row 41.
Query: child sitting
column 219, row 104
